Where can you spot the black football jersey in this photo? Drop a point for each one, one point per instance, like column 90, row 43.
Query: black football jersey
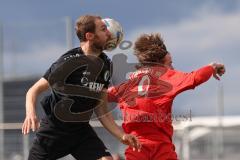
column 77, row 82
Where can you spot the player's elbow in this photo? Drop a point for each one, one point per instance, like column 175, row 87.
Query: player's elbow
column 201, row 78
column 39, row 87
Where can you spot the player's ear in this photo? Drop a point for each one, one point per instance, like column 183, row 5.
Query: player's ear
column 89, row 36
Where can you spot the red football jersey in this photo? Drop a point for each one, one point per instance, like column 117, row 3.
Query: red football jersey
column 146, row 99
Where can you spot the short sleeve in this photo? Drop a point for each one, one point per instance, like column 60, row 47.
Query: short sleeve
column 49, row 71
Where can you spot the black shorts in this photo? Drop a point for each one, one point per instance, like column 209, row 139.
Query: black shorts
column 51, row 144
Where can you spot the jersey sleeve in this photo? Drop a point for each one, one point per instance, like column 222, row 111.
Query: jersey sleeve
column 52, row 67
column 185, row 81
column 48, row 72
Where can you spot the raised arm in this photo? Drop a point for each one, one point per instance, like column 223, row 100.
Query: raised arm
column 31, row 120
column 204, row 73
column 185, row 81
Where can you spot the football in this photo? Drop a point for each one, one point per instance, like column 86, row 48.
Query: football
column 116, row 33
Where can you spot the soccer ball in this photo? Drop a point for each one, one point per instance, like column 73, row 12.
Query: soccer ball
column 116, row 33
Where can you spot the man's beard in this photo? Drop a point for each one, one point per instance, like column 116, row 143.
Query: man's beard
column 97, row 45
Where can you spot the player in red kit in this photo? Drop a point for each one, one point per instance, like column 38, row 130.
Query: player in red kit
column 146, row 98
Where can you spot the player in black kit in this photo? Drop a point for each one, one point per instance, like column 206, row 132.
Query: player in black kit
column 77, row 81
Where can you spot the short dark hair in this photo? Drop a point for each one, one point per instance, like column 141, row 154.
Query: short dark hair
column 85, row 24
column 150, row 48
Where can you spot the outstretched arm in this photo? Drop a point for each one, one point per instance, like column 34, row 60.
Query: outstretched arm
column 105, row 117
column 186, row 81
column 204, row 73
column 31, row 120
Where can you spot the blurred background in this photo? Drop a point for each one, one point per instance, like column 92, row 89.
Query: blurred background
column 33, row 34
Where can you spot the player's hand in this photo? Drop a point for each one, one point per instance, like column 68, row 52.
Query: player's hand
column 31, row 122
column 219, row 70
column 132, row 141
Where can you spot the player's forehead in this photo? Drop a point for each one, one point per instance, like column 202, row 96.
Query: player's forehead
column 99, row 24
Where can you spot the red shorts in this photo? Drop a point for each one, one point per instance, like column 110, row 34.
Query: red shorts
column 152, row 151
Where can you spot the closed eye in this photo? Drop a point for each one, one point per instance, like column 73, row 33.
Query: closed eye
column 104, row 28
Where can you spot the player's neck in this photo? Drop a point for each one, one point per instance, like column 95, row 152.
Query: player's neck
column 88, row 50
